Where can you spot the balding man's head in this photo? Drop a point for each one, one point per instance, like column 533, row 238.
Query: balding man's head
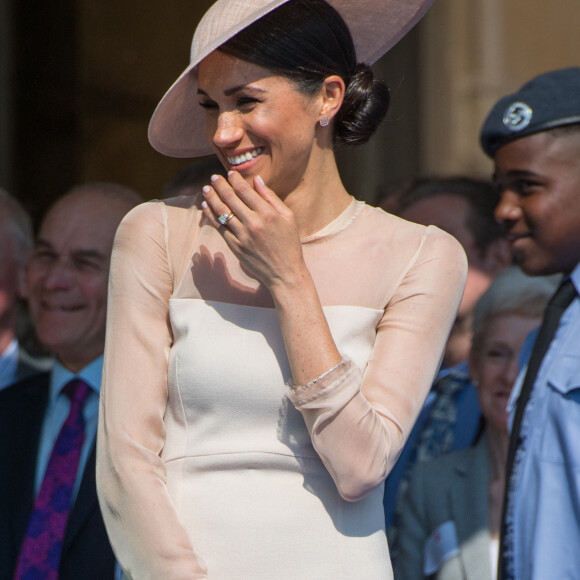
column 67, row 276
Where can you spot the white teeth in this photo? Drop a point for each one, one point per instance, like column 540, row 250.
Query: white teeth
column 247, row 156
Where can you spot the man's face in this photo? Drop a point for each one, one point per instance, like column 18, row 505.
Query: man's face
column 539, row 180
column 68, row 274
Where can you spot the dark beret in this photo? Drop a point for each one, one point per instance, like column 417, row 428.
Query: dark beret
column 548, row 101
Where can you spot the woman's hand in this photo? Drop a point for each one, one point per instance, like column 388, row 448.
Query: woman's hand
column 263, row 234
column 262, row 231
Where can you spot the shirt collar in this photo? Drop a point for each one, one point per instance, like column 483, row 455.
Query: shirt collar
column 575, row 276
column 11, row 350
column 9, row 363
column 91, row 374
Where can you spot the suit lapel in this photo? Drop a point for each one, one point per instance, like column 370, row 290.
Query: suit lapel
column 29, row 366
column 469, row 508
column 23, row 415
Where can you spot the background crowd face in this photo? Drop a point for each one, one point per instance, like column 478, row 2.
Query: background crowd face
column 539, row 177
column 67, row 276
column 494, row 364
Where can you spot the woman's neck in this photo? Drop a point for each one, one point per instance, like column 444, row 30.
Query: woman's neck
column 319, row 198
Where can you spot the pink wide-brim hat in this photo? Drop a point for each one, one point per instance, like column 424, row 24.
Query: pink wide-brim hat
column 177, row 128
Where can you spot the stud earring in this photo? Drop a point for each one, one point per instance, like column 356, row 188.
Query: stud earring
column 324, row 121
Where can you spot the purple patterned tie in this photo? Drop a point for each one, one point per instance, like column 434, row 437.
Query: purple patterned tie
column 41, row 548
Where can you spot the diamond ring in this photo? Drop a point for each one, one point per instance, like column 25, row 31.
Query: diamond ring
column 225, row 218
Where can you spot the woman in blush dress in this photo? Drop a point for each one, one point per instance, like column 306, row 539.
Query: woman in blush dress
column 270, row 344
column 452, row 512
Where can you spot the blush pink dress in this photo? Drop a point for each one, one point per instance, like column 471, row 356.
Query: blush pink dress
column 208, row 463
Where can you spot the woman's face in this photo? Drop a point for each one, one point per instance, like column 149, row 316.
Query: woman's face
column 494, row 366
column 257, row 122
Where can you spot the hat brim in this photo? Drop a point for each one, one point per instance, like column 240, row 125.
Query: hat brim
column 177, row 127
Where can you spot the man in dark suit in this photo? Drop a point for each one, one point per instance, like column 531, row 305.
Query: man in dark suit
column 15, row 245
column 66, row 280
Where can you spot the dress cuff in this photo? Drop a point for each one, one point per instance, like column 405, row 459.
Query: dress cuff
column 329, row 383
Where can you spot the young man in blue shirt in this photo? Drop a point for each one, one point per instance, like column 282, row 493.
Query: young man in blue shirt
column 533, row 137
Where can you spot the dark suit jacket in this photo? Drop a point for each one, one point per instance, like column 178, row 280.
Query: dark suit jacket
column 29, row 365
column 86, row 551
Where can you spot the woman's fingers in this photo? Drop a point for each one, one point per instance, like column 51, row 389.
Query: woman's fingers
column 249, row 195
column 270, row 197
column 237, row 193
column 216, row 211
column 235, row 196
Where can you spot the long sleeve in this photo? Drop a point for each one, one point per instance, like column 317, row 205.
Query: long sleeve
column 359, row 422
column 148, row 539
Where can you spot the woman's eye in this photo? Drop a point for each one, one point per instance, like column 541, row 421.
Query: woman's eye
column 207, row 104
column 247, row 101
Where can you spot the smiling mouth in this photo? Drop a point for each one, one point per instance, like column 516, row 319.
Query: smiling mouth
column 244, row 157
column 55, row 308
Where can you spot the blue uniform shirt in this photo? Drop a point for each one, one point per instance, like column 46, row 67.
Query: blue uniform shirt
column 544, row 512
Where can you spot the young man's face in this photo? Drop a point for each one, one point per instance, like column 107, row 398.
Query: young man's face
column 539, row 180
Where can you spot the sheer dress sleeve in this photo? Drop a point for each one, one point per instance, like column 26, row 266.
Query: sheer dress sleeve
column 359, row 421
column 148, row 539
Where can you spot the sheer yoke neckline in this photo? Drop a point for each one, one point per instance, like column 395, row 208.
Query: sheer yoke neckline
column 341, row 222
column 214, row 274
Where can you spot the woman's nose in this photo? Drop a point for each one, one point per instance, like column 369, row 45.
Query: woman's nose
column 228, row 131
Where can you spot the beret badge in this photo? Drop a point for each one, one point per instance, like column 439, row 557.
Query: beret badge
column 517, row 116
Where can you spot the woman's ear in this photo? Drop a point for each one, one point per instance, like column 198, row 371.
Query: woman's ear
column 332, row 94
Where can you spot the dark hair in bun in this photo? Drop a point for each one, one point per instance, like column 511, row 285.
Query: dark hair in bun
column 366, row 102
column 307, row 41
